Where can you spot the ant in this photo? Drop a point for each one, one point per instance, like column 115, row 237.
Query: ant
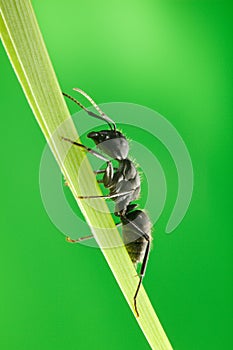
column 123, row 183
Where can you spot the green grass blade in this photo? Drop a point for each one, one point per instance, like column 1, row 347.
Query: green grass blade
column 24, row 44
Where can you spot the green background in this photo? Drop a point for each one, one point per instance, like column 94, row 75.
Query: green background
column 174, row 57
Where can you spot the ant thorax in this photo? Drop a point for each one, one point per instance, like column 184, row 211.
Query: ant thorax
column 125, row 183
column 111, row 142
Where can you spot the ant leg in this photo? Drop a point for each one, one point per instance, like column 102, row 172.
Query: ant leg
column 100, row 181
column 95, row 153
column 102, row 171
column 109, row 169
column 79, row 239
column 109, row 196
column 85, row 238
column 99, row 171
column 108, row 175
column 142, row 274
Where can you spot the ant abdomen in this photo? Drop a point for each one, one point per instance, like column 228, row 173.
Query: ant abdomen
column 135, row 249
column 136, row 227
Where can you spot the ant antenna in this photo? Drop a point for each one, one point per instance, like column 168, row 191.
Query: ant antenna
column 86, row 110
column 103, row 115
column 74, row 100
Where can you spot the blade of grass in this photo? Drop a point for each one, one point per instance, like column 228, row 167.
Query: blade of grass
column 24, row 44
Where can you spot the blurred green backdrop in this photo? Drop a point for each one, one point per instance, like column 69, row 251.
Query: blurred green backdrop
column 174, row 57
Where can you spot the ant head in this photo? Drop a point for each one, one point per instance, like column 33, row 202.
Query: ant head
column 111, row 142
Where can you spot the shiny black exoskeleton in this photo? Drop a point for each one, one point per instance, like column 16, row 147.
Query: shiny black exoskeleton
column 123, row 182
column 136, row 232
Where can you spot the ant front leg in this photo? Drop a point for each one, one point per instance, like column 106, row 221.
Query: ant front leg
column 85, row 238
column 108, row 172
column 88, row 149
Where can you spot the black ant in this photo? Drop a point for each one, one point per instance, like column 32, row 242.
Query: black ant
column 124, row 187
